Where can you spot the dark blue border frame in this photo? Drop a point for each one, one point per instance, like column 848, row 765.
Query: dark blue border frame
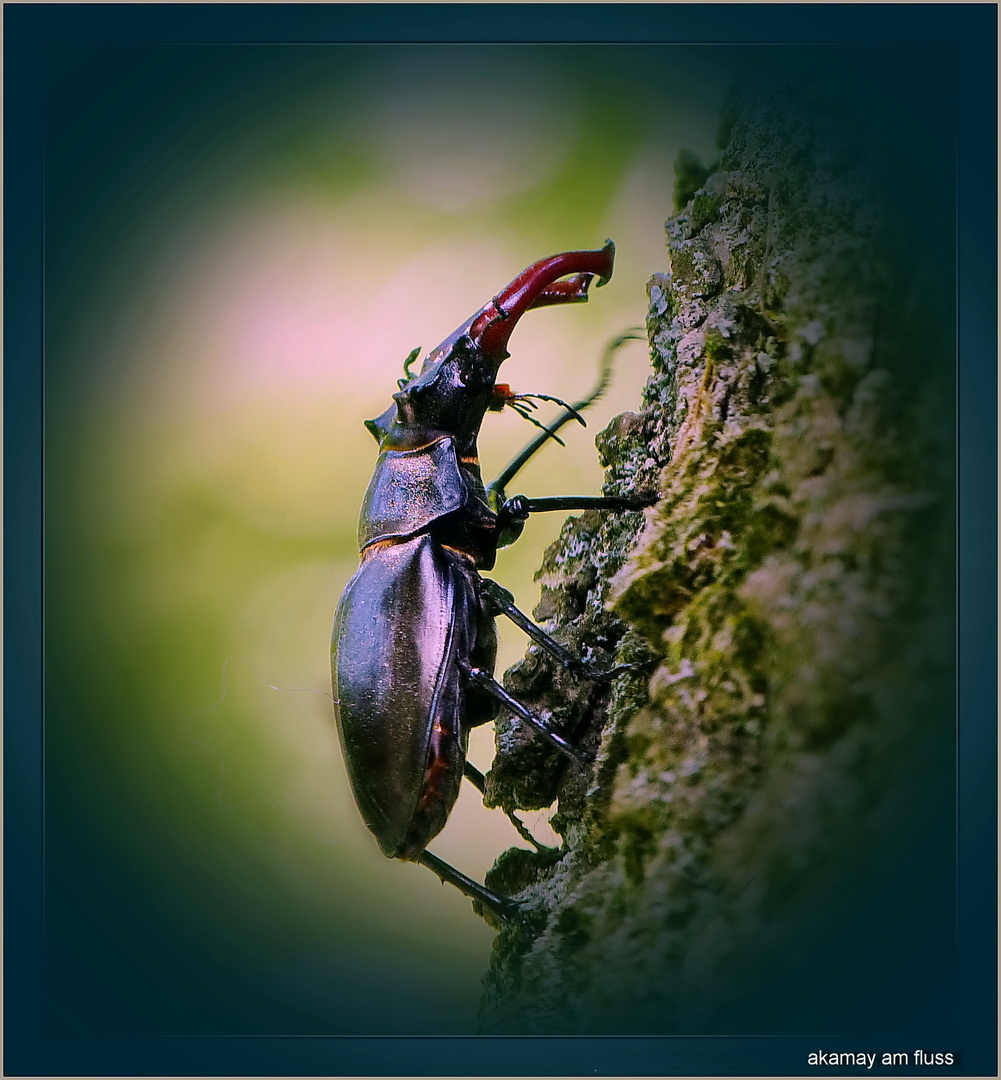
column 972, row 28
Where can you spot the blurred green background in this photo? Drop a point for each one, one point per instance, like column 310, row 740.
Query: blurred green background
column 242, row 245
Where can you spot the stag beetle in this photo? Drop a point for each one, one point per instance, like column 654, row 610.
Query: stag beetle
column 414, row 639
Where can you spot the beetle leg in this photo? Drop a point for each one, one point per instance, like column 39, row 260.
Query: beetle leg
column 475, row 777
column 494, row 688
column 479, row 781
column 478, row 706
column 512, row 514
column 503, row 602
column 519, row 507
column 502, row 906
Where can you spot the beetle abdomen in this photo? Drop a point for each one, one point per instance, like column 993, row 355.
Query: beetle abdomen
column 401, row 623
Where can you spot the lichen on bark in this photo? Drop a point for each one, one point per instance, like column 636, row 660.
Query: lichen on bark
column 771, row 788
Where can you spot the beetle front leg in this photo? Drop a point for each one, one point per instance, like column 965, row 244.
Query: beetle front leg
column 518, row 507
column 513, row 513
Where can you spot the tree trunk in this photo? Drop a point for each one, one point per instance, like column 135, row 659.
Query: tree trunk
column 769, row 815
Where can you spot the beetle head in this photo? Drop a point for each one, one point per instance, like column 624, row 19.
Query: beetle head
column 456, row 383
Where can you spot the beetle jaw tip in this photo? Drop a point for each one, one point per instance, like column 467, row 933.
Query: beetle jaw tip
column 609, row 252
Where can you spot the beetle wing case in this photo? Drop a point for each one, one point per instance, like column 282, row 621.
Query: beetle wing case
column 399, row 626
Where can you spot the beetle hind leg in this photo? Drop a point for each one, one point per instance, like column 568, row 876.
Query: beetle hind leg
column 479, row 781
column 503, row 906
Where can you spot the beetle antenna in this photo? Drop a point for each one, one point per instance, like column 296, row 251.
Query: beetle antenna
column 633, row 334
column 574, row 414
column 548, row 432
column 525, row 404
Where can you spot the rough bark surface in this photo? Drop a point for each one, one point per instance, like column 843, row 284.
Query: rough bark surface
column 766, row 804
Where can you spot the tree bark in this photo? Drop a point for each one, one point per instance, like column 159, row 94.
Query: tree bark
column 771, row 797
